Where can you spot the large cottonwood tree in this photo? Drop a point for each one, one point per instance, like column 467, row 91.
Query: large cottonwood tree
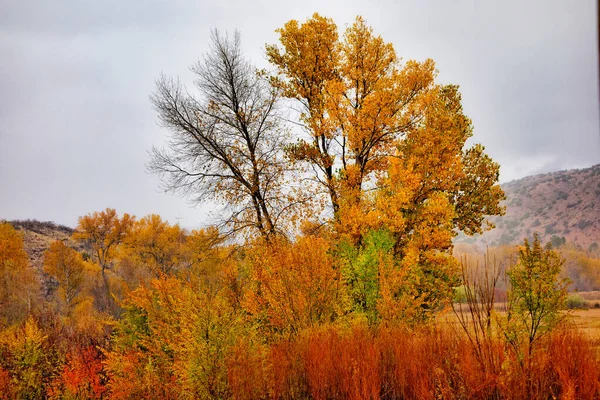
column 365, row 111
column 388, row 146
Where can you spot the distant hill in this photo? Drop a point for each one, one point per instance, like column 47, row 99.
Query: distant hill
column 561, row 206
column 38, row 236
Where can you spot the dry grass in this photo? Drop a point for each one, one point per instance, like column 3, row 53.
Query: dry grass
column 587, row 322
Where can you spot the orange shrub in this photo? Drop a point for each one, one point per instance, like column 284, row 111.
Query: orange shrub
column 295, row 285
column 82, row 376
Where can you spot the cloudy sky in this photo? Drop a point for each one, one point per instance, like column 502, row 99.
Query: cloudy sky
column 75, row 76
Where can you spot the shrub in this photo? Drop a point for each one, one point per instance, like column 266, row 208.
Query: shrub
column 575, row 301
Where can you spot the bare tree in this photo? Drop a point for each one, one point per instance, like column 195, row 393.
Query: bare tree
column 226, row 144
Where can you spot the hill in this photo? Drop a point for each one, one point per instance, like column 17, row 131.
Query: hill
column 562, row 207
column 38, row 235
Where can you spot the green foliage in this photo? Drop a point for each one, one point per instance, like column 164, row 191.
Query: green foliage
column 536, row 295
column 26, row 355
column 575, row 301
column 557, row 241
column 460, row 295
column 360, row 271
column 171, row 341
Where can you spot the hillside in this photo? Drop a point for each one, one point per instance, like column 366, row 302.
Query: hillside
column 561, row 206
column 37, row 237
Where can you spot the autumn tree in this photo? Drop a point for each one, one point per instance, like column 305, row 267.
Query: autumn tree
column 103, row 231
column 82, row 376
column 536, row 295
column 225, row 143
column 362, row 109
column 19, row 285
column 66, row 265
column 535, row 300
column 388, row 145
column 155, row 244
column 171, row 341
column 204, row 251
column 26, row 353
column 294, row 285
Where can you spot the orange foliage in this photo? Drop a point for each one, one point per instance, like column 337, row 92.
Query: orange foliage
column 295, row 285
column 19, row 286
column 284, row 317
column 364, row 109
column 103, row 230
column 393, row 363
column 156, row 245
column 67, row 266
column 82, row 376
column 5, row 385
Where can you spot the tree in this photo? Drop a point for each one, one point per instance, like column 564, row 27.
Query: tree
column 18, row 283
column 103, row 231
column 82, row 376
column 397, row 140
column 225, row 144
column 365, row 112
column 156, row 244
column 536, row 295
column 67, row 266
column 293, row 285
column 171, row 341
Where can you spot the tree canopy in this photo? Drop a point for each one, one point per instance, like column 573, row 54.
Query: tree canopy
column 381, row 144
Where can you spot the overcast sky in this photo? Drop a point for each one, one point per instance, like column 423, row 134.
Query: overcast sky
column 75, row 76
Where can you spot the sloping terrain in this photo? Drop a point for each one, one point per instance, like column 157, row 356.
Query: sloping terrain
column 38, row 236
column 562, row 207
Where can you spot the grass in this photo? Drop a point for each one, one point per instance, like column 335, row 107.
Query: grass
column 587, row 321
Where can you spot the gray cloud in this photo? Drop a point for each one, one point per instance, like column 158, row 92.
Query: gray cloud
column 76, row 123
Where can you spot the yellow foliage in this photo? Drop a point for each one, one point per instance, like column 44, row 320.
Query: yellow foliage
column 68, row 267
column 171, row 341
column 103, row 230
column 155, row 244
column 19, row 285
column 370, row 115
column 294, row 285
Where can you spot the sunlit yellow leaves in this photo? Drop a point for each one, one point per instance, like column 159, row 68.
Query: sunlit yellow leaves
column 377, row 111
column 308, row 61
column 12, row 253
column 103, row 232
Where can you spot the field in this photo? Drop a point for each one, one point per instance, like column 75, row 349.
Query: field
column 586, row 321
